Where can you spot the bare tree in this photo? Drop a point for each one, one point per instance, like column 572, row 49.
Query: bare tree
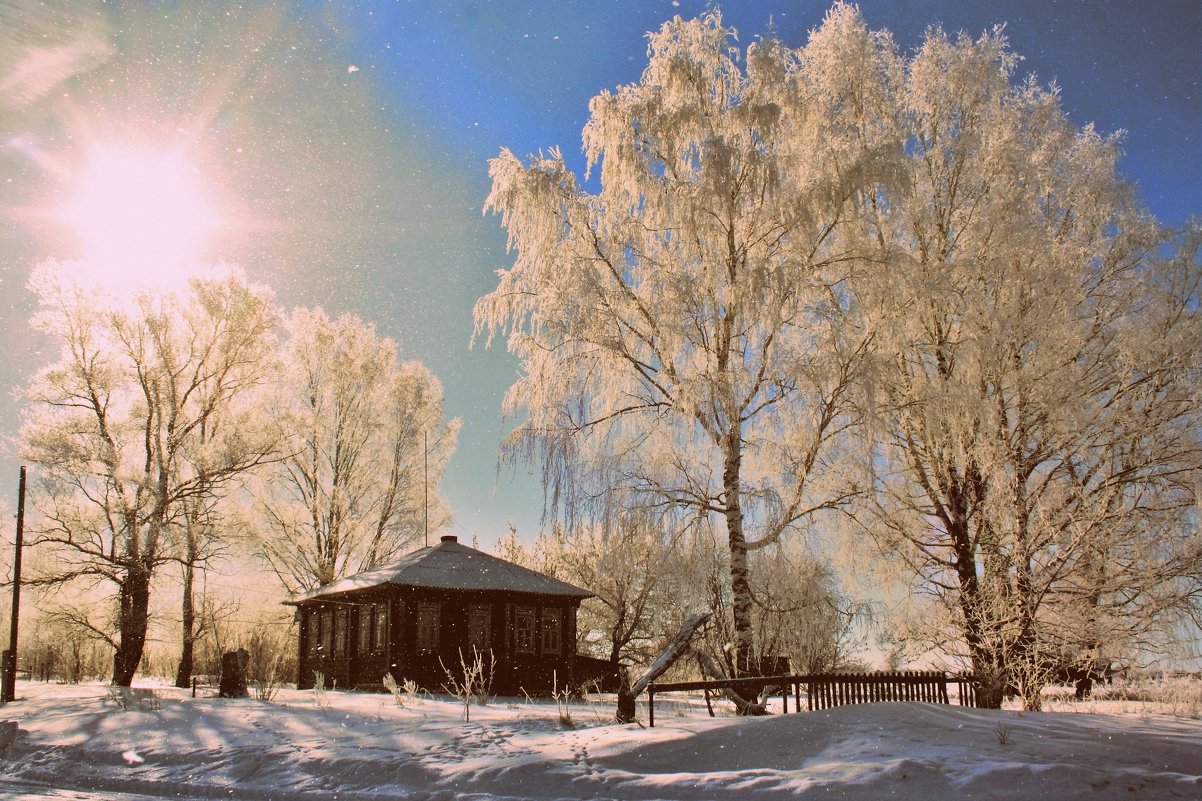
column 799, row 608
column 1035, row 378
column 627, row 565
column 803, row 613
column 362, row 432
column 203, row 534
column 115, row 427
column 683, row 333
column 57, row 646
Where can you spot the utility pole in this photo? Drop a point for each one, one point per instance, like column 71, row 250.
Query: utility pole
column 426, row 487
column 9, row 690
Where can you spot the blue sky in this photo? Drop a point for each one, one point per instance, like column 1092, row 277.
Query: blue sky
column 356, row 137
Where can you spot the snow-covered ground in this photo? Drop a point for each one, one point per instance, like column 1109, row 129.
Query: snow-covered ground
column 77, row 742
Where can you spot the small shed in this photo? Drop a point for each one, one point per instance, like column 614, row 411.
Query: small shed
column 412, row 616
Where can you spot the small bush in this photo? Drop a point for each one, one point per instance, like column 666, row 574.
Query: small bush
column 472, row 682
column 266, row 647
column 401, row 693
column 320, row 699
column 134, row 698
column 563, row 699
column 1180, row 696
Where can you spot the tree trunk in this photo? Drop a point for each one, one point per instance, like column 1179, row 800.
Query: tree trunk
column 744, row 705
column 134, row 613
column 1028, row 664
column 991, row 685
column 740, row 584
column 183, row 675
column 987, row 665
column 626, row 699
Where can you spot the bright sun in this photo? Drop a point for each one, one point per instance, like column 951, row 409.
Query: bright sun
column 141, row 217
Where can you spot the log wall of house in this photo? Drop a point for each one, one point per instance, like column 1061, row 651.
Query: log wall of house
column 532, row 639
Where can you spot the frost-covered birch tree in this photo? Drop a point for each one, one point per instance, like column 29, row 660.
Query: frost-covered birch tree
column 683, row 331
column 139, row 419
column 355, row 423
column 1036, row 378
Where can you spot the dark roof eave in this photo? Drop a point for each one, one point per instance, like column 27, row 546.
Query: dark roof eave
column 346, row 595
column 448, row 567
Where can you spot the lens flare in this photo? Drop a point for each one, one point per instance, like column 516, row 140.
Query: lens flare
column 140, row 217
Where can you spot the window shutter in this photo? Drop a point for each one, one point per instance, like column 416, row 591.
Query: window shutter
column 507, row 647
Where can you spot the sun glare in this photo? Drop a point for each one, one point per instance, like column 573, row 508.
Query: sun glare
column 140, row 217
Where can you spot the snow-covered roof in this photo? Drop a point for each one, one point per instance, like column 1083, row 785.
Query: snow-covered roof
column 449, row 566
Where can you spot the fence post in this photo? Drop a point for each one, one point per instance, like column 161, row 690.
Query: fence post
column 650, row 707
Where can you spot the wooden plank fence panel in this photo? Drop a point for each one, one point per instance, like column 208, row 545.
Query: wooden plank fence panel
column 827, row 690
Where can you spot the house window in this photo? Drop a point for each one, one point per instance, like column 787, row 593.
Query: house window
column 524, row 630
column 340, row 625
column 380, row 634
column 552, row 619
column 312, row 633
column 364, row 621
column 427, row 626
column 327, row 632
column 479, row 627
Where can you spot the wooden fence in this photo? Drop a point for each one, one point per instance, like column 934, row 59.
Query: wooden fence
column 836, row 689
column 826, row 690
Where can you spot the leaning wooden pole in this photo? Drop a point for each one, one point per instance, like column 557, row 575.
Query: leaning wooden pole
column 9, row 691
column 677, row 647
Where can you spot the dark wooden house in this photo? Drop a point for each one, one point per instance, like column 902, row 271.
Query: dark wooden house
column 434, row 604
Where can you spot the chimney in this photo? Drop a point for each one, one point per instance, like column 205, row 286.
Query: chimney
column 449, row 538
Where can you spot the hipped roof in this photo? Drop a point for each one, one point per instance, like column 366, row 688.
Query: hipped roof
column 448, row 566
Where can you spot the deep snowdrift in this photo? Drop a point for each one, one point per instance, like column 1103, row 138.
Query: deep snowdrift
column 364, row 746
